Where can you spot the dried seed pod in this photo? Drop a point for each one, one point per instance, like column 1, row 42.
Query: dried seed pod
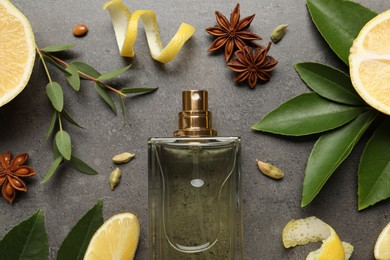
column 123, row 158
column 115, row 177
column 278, row 33
column 270, row 170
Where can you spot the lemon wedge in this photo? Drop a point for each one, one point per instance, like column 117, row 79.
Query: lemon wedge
column 17, row 51
column 125, row 26
column 312, row 229
column 369, row 62
column 116, row 239
column 382, row 245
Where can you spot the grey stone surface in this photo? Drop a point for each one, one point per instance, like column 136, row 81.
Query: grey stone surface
column 268, row 204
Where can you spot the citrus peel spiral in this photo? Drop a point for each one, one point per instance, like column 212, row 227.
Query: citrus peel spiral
column 125, row 26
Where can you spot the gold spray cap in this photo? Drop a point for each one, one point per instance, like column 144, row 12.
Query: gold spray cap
column 195, row 119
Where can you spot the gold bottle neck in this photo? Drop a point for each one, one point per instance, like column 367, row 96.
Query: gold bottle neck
column 195, row 119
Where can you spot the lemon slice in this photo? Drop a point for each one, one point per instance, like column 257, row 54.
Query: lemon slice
column 116, row 239
column 17, row 51
column 312, row 229
column 369, row 62
column 382, row 245
column 125, row 26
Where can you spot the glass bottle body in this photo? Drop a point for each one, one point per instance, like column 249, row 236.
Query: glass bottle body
column 195, row 198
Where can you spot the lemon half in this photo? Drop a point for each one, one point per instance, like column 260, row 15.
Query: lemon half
column 369, row 62
column 17, row 51
column 312, row 229
column 382, row 245
column 116, row 239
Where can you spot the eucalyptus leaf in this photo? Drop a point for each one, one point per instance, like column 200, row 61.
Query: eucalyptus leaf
column 374, row 168
column 52, row 169
column 75, row 244
column 55, row 64
column 330, row 151
column 137, row 90
column 339, row 22
column 27, row 240
column 52, row 125
column 306, row 114
column 63, row 143
column 70, row 119
column 329, row 83
column 113, row 74
column 58, row 48
column 81, row 166
column 74, row 77
column 86, row 69
column 106, row 97
column 55, row 95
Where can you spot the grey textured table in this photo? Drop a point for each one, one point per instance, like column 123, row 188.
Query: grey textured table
column 268, row 204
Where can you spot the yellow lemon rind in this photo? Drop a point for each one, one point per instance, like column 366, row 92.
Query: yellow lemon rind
column 125, row 26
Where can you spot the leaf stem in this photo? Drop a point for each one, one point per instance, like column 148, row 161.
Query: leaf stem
column 44, row 64
column 65, row 64
column 59, row 121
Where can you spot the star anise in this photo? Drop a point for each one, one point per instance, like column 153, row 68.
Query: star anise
column 253, row 65
column 232, row 35
column 11, row 172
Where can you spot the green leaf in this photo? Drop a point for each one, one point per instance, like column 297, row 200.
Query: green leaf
column 55, row 64
column 74, row 77
column 106, row 97
column 81, row 166
column 52, row 125
column 137, row 90
column 86, row 69
column 52, row 169
column 55, row 151
column 55, row 94
column 63, row 143
column 330, row 151
column 27, row 240
column 374, row 168
column 75, row 244
column 329, row 83
column 69, row 118
column 306, row 114
column 112, row 74
column 58, row 48
column 339, row 22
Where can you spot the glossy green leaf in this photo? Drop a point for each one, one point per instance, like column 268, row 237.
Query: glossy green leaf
column 137, row 90
column 70, row 119
column 75, row 244
column 55, row 94
column 58, row 48
column 330, row 151
column 106, row 97
column 55, row 64
column 374, row 168
column 73, row 78
column 86, row 69
column 27, row 240
column 113, row 74
column 63, row 143
column 306, row 114
column 52, row 169
column 339, row 22
column 52, row 125
column 329, row 83
column 81, row 166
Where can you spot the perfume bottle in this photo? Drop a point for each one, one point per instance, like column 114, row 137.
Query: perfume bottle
column 194, row 188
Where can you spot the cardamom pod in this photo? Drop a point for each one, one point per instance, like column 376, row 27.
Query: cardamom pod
column 278, row 33
column 270, row 170
column 122, row 158
column 115, row 177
